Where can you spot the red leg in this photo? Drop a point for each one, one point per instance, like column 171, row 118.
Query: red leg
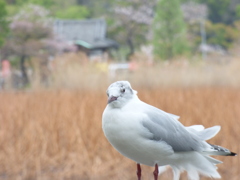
column 155, row 172
column 139, row 171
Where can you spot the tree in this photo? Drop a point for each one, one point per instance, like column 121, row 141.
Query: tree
column 3, row 22
column 29, row 31
column 43, row 3
column 221, row 34
column 222, row 11
column 14, row 6
column 238, row 11
column 129, row 22
column 169, row 30
column 97, row 8
column 73, row 12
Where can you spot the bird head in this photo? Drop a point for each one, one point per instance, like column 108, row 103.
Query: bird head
column 119, row 93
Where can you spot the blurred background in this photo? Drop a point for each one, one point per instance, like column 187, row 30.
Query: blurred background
column 58, row 57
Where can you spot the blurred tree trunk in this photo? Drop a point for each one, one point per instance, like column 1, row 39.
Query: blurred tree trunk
column 130, row 45
column 25, row 78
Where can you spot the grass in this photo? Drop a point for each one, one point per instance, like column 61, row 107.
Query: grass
column 72, row 71
column 56, row 134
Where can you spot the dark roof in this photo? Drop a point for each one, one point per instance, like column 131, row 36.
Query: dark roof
column 90, row 34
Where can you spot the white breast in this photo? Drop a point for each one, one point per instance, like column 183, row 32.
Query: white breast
column 122, row 129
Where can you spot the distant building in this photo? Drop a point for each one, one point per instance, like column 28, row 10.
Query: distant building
column 88, row 35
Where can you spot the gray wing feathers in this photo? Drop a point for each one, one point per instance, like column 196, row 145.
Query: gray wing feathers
column 166, row 128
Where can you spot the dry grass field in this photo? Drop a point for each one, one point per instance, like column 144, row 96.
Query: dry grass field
column 57, row 135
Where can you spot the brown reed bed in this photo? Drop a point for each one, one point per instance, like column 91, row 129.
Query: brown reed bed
column 56, row 134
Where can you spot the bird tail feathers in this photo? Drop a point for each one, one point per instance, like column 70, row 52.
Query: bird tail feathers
column 195, row 164
column 209, row 133
column 218, row 150
column 204, row 134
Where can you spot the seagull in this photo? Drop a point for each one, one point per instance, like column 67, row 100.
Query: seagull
column 153, row 137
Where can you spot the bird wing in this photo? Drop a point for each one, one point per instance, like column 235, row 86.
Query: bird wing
column 174, row 116
column 164, row 127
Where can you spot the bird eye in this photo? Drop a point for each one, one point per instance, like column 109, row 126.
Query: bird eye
column 123, row 90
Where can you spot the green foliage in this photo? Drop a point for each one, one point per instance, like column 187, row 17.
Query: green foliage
column 71, row 9
column 238, row 11
column 98, row 8
column 216, row 34
column 12, row 10
column 13, row 7
column 3, row 22
column 221, row 34
column 44, row 3
column 222, row 11
column 169, row 30
column 73, row 12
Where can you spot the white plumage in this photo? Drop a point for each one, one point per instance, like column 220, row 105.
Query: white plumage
column 150, row 136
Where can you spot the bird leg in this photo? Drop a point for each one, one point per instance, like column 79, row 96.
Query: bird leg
column 139, row 171
column 155, row 172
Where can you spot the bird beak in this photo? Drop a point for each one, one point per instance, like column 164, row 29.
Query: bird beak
column 111, row 99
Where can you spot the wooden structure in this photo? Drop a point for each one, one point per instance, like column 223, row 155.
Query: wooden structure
column 88, row 35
